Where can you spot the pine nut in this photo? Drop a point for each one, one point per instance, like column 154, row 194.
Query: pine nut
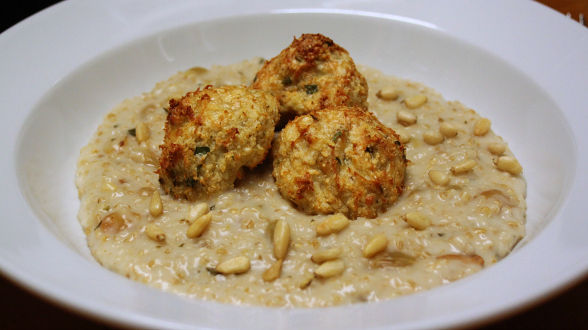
column 509, row 164
column 463, row 167
column 439, row 177
column 415, row 101
column 406, row 118
column 281, row 239
column 448, row 130
column 417, row 220
column 273, row 272
column 199, row 226
column 326, row 255
column 404, row 138
column 237, row 265
column 156, row 206
column 330, row 269
column 497, row 148
column 387, row 93
column 112, row 223
column 306, row 281
column 333, row 224
column 198, row 210
column 376, row 245
column 155, row 233
column 142, row 132
column 482, row 127
column 433, row 137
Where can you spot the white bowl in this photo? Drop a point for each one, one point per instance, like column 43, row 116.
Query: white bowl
column 519, row 64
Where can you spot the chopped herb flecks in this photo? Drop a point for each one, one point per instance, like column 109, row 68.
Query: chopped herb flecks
column 337, row 135
column 133, row 131
column 310, row 89
column 287, row 81
column 201, row 150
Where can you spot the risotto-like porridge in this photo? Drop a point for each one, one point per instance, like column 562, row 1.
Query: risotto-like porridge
column 462, row 209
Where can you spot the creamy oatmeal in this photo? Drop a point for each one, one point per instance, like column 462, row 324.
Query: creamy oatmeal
column 462, row 210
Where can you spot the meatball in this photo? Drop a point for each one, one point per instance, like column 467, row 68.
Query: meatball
column 211, row 134
column 311, row 74
column 339, row 160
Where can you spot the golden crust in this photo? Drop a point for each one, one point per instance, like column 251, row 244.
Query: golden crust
column 339, row 159
column 311, row 74
column 210, row 134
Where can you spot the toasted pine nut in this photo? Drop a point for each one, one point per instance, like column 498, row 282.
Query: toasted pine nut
column 237, row 265
column 142, row 132
column 330, row 269
column 439, row 177
column 417, row 220
column 155, row 206
column 281, row 239
column 333, row 224
column 273, row 272
column 415, row 101
column 482, row 127
column 404, row 138
column 433, row 137
column 154, row 232
column 463, row 167
column 509, row 164
column 326, row 255
column 112, row 223
column 448, row 130
column 387, row 93
column 198, row 210
column 497, row 148
column 376, row 245
column 406, row 118
column 199, row 226
column 306, row 280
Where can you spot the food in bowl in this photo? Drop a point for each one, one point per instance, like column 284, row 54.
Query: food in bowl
column 339, row 160
column 310, row 74
column 461, row 209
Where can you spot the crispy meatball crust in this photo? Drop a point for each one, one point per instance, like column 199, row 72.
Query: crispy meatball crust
column 339, row 159
column 210, row 134
column 311, row 74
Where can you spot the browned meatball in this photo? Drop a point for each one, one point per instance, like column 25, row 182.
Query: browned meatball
column 311, row 74
column 339, row 159
column 210, row 134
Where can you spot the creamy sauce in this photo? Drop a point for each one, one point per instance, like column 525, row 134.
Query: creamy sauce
column 478, row 215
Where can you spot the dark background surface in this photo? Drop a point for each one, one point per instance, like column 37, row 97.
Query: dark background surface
column 20, row 309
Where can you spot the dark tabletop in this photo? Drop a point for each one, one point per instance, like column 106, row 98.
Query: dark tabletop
column 20, row 309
